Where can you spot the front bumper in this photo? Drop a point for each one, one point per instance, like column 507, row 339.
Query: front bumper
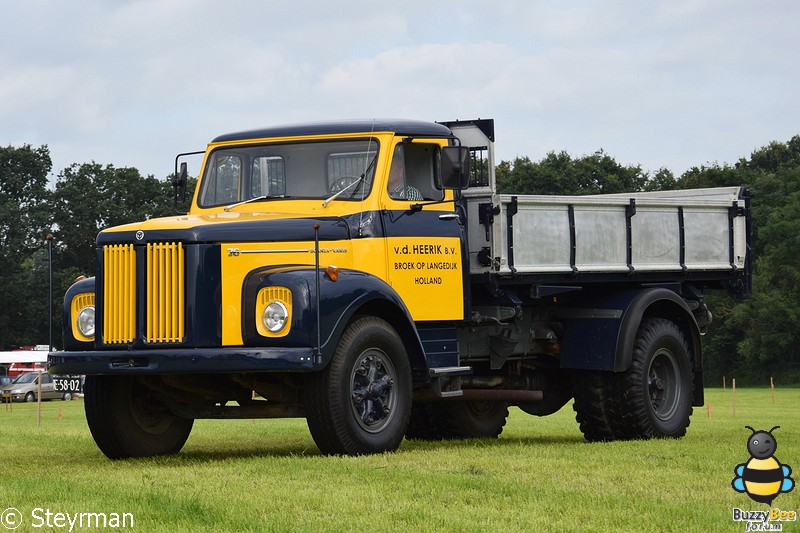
column 11, row 397
column 183, row 361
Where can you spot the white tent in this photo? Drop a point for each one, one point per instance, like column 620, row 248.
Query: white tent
column 23, row 356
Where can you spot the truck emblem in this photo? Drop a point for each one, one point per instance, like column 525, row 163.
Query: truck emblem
column 233, row 252
column 139, row 235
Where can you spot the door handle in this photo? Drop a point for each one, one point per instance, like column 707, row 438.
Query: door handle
column 448, row 216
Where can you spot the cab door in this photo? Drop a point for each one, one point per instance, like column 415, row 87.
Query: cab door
column 423, row 242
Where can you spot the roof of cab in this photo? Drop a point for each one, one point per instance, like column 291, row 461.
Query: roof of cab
column 401, row 127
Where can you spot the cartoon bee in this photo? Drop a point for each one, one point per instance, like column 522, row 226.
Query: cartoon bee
column 762, row 477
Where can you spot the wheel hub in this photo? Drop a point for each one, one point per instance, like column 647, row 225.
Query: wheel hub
column 663, row 384
column 372, row 396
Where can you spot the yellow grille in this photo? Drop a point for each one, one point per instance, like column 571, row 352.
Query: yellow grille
column 80, row 301
column 119, row 293
column 165, row 292
column 267, row 295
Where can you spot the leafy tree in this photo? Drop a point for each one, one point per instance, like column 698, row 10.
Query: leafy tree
column 91, row 197
column 24, row 214
column 25, row 218
column 761, row 336
column 663, row 180
column 559, row 173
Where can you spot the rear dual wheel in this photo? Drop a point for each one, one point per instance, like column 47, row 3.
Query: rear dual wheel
column 653, row 398
column 658, row 386
column 455, row 419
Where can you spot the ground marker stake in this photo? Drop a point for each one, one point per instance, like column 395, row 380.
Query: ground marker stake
column 772, row 388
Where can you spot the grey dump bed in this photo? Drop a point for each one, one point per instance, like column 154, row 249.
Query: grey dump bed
column 697, row 234
column 670, row 231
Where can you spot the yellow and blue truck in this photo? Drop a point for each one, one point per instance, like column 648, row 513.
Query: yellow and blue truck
column 367, row 276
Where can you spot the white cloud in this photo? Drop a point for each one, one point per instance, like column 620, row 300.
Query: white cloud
column 665, row 84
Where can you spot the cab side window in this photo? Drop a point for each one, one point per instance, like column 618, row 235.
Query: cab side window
column 411, row 175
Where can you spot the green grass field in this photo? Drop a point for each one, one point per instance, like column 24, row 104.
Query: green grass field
column 267, row 475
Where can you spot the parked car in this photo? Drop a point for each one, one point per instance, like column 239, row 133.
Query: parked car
column 26, row 387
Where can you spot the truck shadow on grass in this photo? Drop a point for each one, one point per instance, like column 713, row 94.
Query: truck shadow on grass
column 510, row 442
column 307, row 449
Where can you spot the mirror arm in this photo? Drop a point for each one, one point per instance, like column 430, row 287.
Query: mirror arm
column 179, row 180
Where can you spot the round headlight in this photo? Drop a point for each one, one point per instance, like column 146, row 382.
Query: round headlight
column 85, row 321
column 274, row 316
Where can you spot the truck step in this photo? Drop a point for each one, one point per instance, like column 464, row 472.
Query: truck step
column 450, row 371
column 446, row 380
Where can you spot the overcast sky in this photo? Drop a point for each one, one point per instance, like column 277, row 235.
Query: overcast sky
column 662, row 84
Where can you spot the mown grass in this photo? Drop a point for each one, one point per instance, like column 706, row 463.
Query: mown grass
column 267, row 475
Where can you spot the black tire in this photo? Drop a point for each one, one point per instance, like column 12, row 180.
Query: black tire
column 474, row 420
column 361, row 402
column 126, row 421
column 424, row 425
column 454, row 419
column 596, row 404
column 30, row 397
column 658, row 386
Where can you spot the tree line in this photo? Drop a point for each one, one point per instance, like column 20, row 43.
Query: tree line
column 749, row 340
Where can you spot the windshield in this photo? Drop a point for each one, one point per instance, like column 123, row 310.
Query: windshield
column 28, row 377
column 296, row 170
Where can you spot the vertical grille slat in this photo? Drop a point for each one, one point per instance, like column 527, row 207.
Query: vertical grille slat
column 165, row 279
column 164, row 285
column 119, row 290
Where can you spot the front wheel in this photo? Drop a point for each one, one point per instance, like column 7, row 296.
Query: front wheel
column 127, row 421
column 361, row 402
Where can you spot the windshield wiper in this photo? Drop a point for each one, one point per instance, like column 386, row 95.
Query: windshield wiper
column 256, row 199
column 352, row 185
column 337, row 193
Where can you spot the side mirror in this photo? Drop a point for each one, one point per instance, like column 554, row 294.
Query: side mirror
column 179, row 185
column 180, row 182
column 454, row 171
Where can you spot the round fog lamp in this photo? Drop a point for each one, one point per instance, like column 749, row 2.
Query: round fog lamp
column 85, row 321
column 274, row 316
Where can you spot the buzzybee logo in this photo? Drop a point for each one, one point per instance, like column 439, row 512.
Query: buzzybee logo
column 762, row 477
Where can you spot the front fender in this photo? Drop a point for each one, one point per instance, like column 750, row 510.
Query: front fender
column 80, row 287
column 340, row 300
